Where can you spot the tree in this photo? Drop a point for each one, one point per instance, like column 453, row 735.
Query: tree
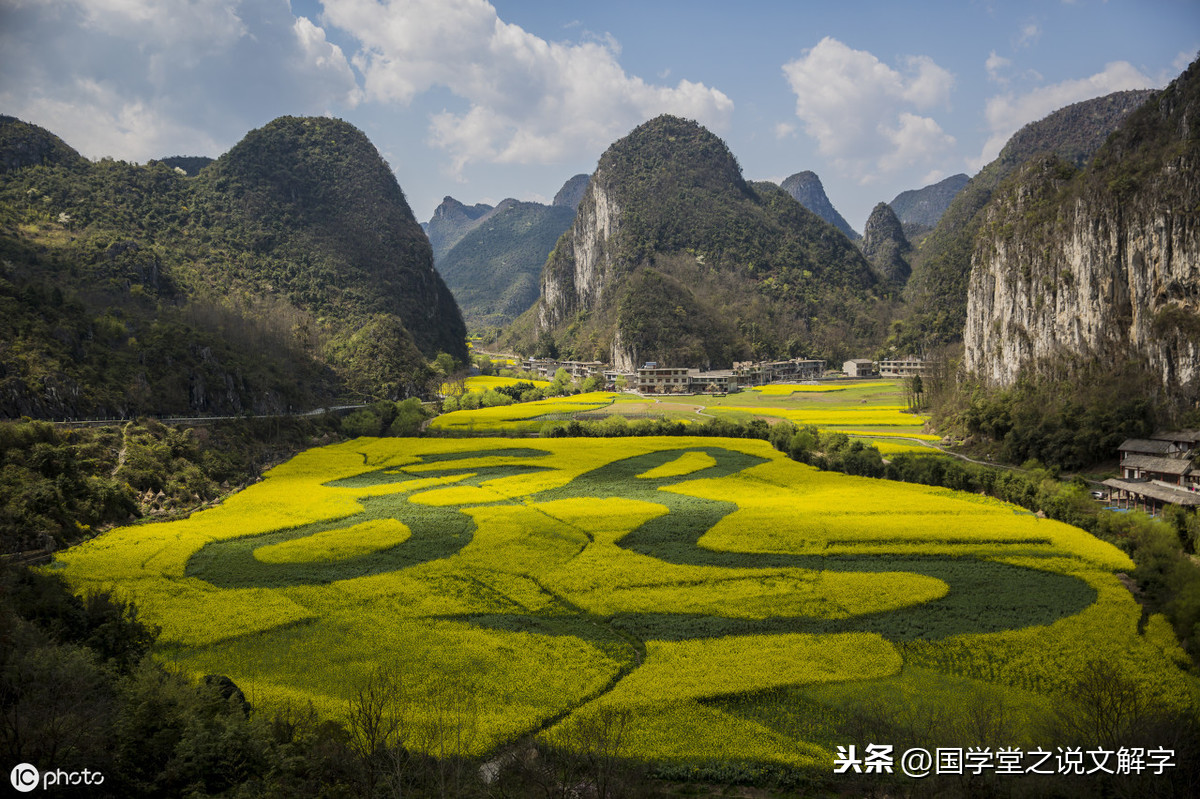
column 914, row 392
column 378, row 725
column 1105, row 706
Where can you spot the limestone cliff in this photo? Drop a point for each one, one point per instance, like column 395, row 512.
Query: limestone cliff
column 673, row 256
column 1099, row 265
column 941, row 267
column 574, row 278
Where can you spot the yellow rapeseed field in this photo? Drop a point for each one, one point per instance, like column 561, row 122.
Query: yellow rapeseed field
column 689, row 583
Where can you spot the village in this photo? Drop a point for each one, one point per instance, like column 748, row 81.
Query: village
column 655, row 378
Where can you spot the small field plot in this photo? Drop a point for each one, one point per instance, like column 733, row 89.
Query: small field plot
column 523, row 417
column 725, row 604
column 484, row 382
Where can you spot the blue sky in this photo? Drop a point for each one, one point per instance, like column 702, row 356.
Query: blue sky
column 484, row 101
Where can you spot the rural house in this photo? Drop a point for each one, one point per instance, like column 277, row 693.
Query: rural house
column 1158, row 471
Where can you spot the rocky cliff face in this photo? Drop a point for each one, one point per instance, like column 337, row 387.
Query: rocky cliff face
column 937, row 289
column 1100, row 265
column 575, row 280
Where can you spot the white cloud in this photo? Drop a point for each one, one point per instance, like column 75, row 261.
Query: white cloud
column 98, row 121
column 189, row 30
column 529, row 100
column 930, row 86
column 1030, row 33
column 326, row 60
column 933, row 176
column 785, row 130
column 994, row 64
column 141, row 79
column 860, row 110
column 1007, row 113
column 917, row 140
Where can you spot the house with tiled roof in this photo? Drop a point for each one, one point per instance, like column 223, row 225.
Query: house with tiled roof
column 1158, row 471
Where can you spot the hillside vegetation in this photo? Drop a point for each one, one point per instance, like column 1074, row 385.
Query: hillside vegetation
column 682, row 232
column 494, row 269
column 288, row 272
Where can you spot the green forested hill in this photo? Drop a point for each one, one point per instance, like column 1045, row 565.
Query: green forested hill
column 494, row 269
column 22, row 145
column 668, row 224
column 919, row 210
column 289, row 271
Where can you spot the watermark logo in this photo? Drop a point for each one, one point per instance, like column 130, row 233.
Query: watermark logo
column 25, row 777
column 919, row 763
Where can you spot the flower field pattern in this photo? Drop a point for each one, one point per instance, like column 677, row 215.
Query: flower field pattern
column 711, row 588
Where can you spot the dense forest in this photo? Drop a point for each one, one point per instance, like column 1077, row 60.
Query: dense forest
column 287, row 273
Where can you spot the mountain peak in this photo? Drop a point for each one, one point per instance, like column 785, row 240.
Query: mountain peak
column 451, row 209
column 806, row 188
column 572, row 192
column 450, row 222
column 669, row 151
column 924, row 207
column 885, row 245
column 328, row 178
column 673, row 256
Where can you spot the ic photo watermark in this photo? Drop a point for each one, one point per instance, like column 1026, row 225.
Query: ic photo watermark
column 26, row 778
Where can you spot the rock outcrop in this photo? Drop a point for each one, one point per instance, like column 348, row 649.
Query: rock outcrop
column 576, row 280
column 1101, row 265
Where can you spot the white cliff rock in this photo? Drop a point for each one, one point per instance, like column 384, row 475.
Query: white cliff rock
column 1105, row 275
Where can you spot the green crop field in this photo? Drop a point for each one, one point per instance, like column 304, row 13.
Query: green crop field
column 732, row 605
